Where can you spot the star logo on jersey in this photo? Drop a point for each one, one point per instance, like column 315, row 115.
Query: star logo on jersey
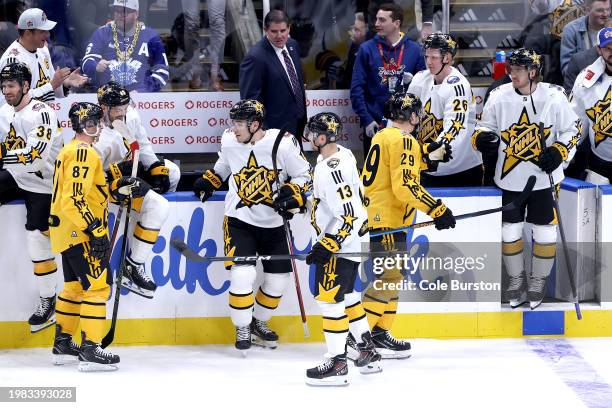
column 34, row 154
column 431, row 126
column 522, row 141
column 43, row 79
column 12, row 141
column 21, row 158
column 601, row 118
column 254, row 184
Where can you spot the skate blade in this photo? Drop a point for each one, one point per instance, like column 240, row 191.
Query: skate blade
column 533, row 305
column 517, row 303
column 387, row 354
column 129, row 285
column 243, row 353
column 371, row 368
column 87, row 366
column 64, row 359
column 38, row 327
column 256, row 341
column 334, row 381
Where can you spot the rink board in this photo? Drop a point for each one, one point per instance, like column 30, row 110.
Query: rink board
column 190, row 305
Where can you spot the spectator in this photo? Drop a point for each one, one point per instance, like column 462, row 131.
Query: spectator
column 380, row 67
column 9, row 13
column 216, row 47
column 271, row 72
column 31, row 49
column 137, row 60
column 86, row 16
column 412, row 23
column 358, row 34
column 581, row 34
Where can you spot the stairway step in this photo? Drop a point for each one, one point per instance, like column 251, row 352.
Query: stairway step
column 485, row 27
column 484, row 2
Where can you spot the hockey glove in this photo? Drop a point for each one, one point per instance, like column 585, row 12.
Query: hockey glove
column 485, row 142
column 158, row 176
column 124, row 168
column 371, row 129
column 128, row 187
column 323, row 250
column 442, row 216
column 205, row 186
column 99, row 245
column 290, row 200
column 552, row 157
column 438, row 151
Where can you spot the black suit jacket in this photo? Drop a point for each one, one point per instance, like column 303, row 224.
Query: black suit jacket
column 263, row 77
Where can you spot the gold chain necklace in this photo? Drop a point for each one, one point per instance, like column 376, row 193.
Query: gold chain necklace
column 124, row 55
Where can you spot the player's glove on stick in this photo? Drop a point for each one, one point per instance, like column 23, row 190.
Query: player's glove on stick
column 443, row 217
column 438, row 151
column 552, row 157
column 323, row 250
column 205, row 186
column 486, row 143
column 290, row 201
column 128, row 187
column 98, row 240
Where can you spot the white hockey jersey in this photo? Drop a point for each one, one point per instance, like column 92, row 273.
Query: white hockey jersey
column 449, row 114
column 42, row 69
column 337, row 206
column 134, row 122
column 252, row 183
column 33, row 141
column 112, row 147
column 512, row 117
column 590, row 100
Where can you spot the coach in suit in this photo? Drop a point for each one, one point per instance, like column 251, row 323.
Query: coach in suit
column 272, row 73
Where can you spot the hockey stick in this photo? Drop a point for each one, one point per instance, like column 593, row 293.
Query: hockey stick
column 289, row 236
column 121, row 127
column 508, row 207
column 191, row 255
column 555, row 199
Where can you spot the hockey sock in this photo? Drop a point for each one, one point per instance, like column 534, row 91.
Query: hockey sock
column 68, row 307
column 543, row 259
column 386, row 320
column 241, row 297
column 269, row 295
column 512, row 254
column 39, row 248
column 335, row 326
column 153, row 213
column 93, row 313
column 374, row 308
column 358, row 323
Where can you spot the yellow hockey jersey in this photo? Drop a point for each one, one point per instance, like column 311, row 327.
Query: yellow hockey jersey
column 391, row 176
column 80, row 195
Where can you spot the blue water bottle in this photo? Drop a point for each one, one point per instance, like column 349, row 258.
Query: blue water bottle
column 500, row 56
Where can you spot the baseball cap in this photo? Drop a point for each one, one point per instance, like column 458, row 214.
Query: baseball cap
column 35, row 19
column 131, row 4
column 604, row 37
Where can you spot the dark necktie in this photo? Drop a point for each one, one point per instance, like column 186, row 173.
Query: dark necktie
column 297, row 89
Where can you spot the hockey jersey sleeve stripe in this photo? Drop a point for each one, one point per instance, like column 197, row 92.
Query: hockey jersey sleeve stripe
column 160, row 79
column 25, row 156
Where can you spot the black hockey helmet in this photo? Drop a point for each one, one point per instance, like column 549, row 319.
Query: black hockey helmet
column 81, row 112
column 16, row 71
column 113, row 94
column 401, row 106
column 326, row 123
column 249, row 110
column 524, row 57
column 444, row 42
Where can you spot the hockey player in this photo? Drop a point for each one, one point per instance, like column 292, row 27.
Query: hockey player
column 151, row 210
column 30, row 142
column 161, row 174
column 591, row 97
column 252, row 224
column 449, row 114
column 136, row 58
column 510, row 127
column 79, row 231
column 31, row 49
column 339, row 220
column 391, row 175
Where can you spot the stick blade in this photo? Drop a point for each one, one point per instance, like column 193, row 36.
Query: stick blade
column 187, row 252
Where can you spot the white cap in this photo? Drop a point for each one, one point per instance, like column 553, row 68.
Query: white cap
column 35, row 19
column 131, row 4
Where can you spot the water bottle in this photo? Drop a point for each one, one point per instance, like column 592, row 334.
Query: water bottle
column 499, row 65
column 500, row 56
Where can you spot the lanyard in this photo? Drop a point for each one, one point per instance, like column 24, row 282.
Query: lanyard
column 394, row 65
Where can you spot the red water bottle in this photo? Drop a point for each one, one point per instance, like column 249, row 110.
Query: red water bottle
column 499, row 65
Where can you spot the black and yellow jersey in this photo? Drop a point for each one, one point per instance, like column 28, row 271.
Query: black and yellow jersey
column 80, row 195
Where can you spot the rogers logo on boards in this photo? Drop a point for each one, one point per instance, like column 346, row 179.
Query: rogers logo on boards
column 223, row 122
column 202, row 139
column 189, row 104
column 325, row 102
column 173, row 122
column 159, row 140
column 155, row 105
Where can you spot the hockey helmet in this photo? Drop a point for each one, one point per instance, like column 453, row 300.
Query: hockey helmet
column 402, row 106
column 17, row 71
column 524, row 57
column 326, row 123
column 249, row 110
column 81, row 113
column 113, row 94
column 444, row 42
